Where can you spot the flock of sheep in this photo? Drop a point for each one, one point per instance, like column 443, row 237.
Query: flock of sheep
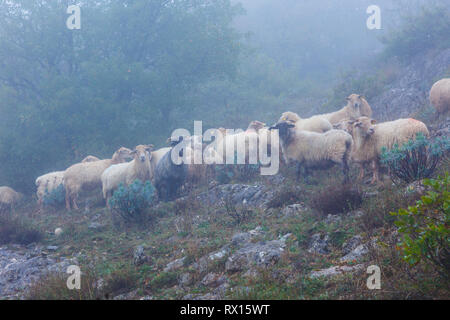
column 346, row 136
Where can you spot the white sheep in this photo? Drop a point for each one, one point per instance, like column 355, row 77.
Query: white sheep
column 8, row 198
column 90, row 159
column 357, row 106
column 128, row 172
column 47, row 183
column 313, row 150
column 314, row 123
column 87, row 176
column 440, row 96
column 369, row 139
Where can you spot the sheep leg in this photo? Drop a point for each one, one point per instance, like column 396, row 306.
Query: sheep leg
column 298, row 169
column 375, row 169
column 74, row 201
column 67, row 199
column 361, row 172
column 345, row 171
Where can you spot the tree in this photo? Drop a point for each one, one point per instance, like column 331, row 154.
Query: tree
column 68, row 93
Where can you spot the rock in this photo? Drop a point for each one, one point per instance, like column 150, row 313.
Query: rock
column 263, row 254
column 126, row 296
column 293, row 210
column 333, row 219
column 52, row 248
column 213, row 280
column 139, row 256
column 358, row 252
column 176, row 264
column 146, row 298
column 351, row 244
column 334, row 271
column 319, row 244
column 415, row 187
column 20, row 267
column 185, row 280
column 58, row 232
column 96, row 226
column 410, row 92
column 251, row 195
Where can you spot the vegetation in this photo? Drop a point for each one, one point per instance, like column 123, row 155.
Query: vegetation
column 336, row 198
column 417, row 159
column 55, row 198
column 425, row 227
column 131, row 202
column 16, row 230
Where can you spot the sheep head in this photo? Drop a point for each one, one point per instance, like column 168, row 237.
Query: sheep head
column 121, row 155
column 289, row 116
column 255, row 126
column 142, row 153
column 283, row 129
column 358, row 105
column 364, row 126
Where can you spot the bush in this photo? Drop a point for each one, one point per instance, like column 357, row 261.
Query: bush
column 131, row 201
column 56, row 198
column 425, row 227
column 415, row 160
column 13, row 230
column 54, row 287
column 336, row 198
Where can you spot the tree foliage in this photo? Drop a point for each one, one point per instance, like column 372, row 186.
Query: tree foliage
column 116, row 81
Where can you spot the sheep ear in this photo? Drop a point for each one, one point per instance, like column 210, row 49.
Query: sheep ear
column 133, row 152
column 373, row 121
column 357, row 124
column 348, row 98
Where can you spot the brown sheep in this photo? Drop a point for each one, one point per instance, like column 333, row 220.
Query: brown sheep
column 357, row 106
column 369, row 139
column 87, row 176
column 8, row 198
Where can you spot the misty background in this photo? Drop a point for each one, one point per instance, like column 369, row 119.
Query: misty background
column 139, row 69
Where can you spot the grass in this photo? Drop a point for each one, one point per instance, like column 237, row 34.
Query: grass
column 109, row 251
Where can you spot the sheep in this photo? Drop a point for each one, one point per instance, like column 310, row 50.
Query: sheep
column 47, row 183
column 357, row 106
column 156, row 157
column 168, row 176
column 87, row 176
column 8, row 198
column 369, row 139
column 440, row 96
column 315, row 123
column 128, row 172
column 90, row 159
column 313, row 150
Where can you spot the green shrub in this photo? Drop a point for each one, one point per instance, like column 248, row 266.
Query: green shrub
column 131, row 201
column 56, row 198
column 415, row 160
column 425, row 227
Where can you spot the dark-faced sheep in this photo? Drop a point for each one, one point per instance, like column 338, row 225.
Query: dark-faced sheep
column 312, row 150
